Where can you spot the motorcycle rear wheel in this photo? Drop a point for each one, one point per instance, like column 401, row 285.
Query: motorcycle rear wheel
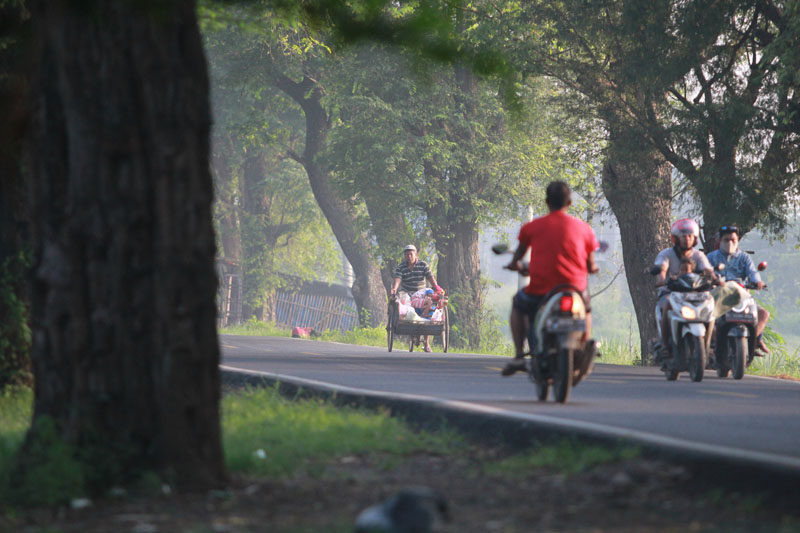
column 562, row 380
column 694, row 351
column 738, row 355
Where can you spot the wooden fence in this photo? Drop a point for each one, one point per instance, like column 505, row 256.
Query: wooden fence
column 319, row 311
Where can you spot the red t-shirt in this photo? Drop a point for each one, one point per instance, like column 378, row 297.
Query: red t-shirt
column 560, row 245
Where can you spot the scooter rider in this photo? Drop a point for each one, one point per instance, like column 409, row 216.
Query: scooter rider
column 685, row 236
column 562, row 252
column 738, row 264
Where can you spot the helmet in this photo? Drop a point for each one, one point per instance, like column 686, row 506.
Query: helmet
column 729, row 229
column 685, row 226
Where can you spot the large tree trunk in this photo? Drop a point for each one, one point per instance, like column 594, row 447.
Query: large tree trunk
column 125, row 350
column 459, row 273
column 391, row 232
column 637, row 183
column 14, row 345
column 368, row 290
column 230, row 235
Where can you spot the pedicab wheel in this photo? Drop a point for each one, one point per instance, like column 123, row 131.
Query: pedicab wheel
column 446, row 331
column 390, row 326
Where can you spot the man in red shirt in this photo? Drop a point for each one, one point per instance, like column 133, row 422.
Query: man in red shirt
column 562, row 252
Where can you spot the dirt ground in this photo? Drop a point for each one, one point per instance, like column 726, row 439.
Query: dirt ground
column 637, row 495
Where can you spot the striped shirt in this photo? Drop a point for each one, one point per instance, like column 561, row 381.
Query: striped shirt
column 413, row 279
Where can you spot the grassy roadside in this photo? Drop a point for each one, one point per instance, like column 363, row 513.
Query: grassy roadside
column 779, row 363
column 268, row 436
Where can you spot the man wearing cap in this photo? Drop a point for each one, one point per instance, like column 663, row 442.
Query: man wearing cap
column 410, row 276
column 739, row 265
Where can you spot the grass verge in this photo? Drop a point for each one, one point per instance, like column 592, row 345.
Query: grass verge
column 566, row 457
column 267, row 434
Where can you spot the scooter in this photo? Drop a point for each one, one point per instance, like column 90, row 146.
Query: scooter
column 559, row 358
column 691, row 309
column 733, row 346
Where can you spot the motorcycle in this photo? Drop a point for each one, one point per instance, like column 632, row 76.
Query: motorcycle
column 691, row 309
column 559, row 358
column 734, row 342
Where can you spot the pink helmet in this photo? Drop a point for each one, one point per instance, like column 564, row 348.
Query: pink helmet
column 685, row 226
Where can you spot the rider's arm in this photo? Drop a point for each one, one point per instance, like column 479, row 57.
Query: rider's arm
column 752, row 274
column 516, row 259
column 591, row 266
column 661, row 277
column 433, row 283
column 395, row 285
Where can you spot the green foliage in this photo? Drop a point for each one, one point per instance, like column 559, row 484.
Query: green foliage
column 266, row 434
column 567, row 457
column 360, row 336
column 15, row 332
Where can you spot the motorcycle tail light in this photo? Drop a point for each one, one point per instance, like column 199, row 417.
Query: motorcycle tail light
column 566, row 303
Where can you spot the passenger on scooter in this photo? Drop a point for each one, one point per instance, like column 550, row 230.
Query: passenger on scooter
column 562, row 252
column 410, row 275
column 738, row 264
column 685, row 234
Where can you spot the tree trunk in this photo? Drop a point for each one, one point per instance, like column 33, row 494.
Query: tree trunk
column 638, row 186
column 368, row 290
column 125, row 350
column 392, row 234
column 255, row 219
column 230, row 235
column 459, row 273
column 14, row 344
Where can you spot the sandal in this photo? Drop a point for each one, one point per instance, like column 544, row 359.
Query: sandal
column 516, row 365
column 427, row 348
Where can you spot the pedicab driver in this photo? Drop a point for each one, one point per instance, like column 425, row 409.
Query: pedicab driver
column 410, row 276
column 562, row 252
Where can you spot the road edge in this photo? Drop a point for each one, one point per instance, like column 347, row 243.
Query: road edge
column 519, row 430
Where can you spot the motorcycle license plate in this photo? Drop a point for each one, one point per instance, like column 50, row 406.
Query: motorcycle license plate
column 560, row 325
column 738, row 317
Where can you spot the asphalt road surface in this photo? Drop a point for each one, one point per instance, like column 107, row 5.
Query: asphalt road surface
column 757, row 416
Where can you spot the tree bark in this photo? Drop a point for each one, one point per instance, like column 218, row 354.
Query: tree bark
column 125, row 350
column 637, row 183
column 368, row 290
column 230, row 235
column 14, row 352
column 459, row 273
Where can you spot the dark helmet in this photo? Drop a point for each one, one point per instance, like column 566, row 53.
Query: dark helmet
column 724, row 230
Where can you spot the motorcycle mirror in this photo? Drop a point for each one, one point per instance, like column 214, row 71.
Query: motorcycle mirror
column 655, row 270
column 603, row 246
column 500, row 248
column 721, row 267
column 762, row 266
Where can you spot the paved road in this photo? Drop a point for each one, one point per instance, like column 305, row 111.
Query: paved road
column 755, row 415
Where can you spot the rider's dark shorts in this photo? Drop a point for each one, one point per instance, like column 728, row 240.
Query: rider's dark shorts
column 530, row 303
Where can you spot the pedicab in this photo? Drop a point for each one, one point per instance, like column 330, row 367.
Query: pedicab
column 416, row 327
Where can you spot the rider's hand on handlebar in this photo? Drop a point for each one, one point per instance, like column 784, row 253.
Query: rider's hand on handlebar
column 759, row 285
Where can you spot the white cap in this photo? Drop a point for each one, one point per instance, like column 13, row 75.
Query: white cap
column 410, row 247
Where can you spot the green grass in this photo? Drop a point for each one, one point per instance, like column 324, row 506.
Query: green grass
column 565, row 457
column 256, row 327
column 266, row 434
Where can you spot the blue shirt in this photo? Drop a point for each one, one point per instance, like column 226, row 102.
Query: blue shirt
column 737, row 265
